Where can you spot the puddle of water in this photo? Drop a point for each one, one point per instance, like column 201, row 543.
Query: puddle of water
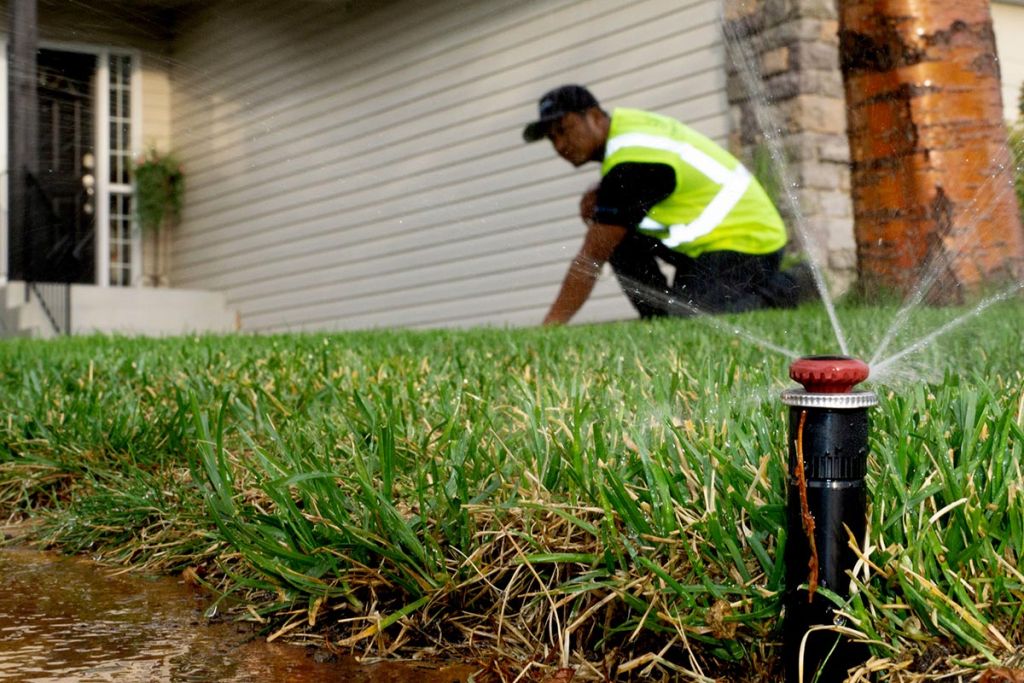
column 66, row 619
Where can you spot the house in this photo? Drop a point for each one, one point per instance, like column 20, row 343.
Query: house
column 358, row 163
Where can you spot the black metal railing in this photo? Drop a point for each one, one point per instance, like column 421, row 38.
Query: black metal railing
column 55, row 300
column 51, row 255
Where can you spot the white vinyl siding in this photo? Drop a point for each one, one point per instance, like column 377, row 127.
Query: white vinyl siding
column 362, row 169
column 1008, row 22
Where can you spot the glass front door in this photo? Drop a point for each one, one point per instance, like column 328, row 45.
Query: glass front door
column 82, row 226
column 62, row 194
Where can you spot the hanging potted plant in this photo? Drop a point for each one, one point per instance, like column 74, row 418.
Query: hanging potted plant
column 159, row 195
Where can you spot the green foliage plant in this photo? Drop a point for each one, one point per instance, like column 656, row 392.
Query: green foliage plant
column 1016, row 141
column 159, row 188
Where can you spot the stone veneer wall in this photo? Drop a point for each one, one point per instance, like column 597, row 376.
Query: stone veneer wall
column 795, row 45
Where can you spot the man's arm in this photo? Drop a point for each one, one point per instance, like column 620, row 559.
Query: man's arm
column 598, row 245
column 609, row 209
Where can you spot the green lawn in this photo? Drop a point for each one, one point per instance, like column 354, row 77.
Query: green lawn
column 609, row 497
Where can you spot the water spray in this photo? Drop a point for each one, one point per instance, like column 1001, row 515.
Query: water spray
column 826, row 507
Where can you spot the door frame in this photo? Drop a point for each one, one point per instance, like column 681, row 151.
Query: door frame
column 101, row 123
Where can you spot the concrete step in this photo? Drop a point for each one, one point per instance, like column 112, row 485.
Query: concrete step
column 149, row 311
column 133, row 311
column 19, row 318
column 13, row 294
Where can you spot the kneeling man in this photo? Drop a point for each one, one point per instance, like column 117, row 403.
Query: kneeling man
column 666, row 193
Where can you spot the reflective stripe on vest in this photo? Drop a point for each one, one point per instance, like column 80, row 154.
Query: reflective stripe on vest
column 734, row 184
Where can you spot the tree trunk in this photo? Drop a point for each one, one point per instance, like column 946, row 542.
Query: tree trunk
column 932, row 176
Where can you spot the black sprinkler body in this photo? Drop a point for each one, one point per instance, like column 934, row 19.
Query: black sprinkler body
column 826, row 504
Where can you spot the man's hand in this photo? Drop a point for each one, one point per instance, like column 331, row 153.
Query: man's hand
column 588, row 202
column 598, row 246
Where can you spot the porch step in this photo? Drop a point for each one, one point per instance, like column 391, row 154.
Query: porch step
column 148, row 311
column 12, row 294
column 20, row 318
column 120, row 310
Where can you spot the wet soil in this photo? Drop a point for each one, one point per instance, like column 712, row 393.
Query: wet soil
column 67, row 619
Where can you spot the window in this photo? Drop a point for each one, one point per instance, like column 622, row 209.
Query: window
column 121, row 214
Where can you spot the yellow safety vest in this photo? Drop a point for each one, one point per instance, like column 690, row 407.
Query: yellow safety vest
column 716, row 206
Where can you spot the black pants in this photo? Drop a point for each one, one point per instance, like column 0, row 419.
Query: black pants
column 714, row 282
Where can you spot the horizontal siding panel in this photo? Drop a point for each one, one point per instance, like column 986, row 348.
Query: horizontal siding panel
column 277, row 251
column 298, row 205
column 488, row 295
column 601, row 308
column 309, row 123
column 390, row 201
column 252, row 30
column 259, row 273
column 417, row 150
column 379, row 69
column 413, row 283
column 456, row 217
column 333, row 39
column 374, row 175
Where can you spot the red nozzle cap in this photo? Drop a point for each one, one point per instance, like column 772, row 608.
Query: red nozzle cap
column 828, row 374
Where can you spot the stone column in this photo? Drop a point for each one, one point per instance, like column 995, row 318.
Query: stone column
column 786, row 92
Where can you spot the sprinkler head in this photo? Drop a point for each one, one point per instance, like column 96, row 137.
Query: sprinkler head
column 828, row 382
column 828, row 374
column 826, row 506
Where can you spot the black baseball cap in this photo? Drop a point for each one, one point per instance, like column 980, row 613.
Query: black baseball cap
column 554, row 105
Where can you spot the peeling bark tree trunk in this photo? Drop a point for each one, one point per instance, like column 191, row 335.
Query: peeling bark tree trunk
column 932, row 176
